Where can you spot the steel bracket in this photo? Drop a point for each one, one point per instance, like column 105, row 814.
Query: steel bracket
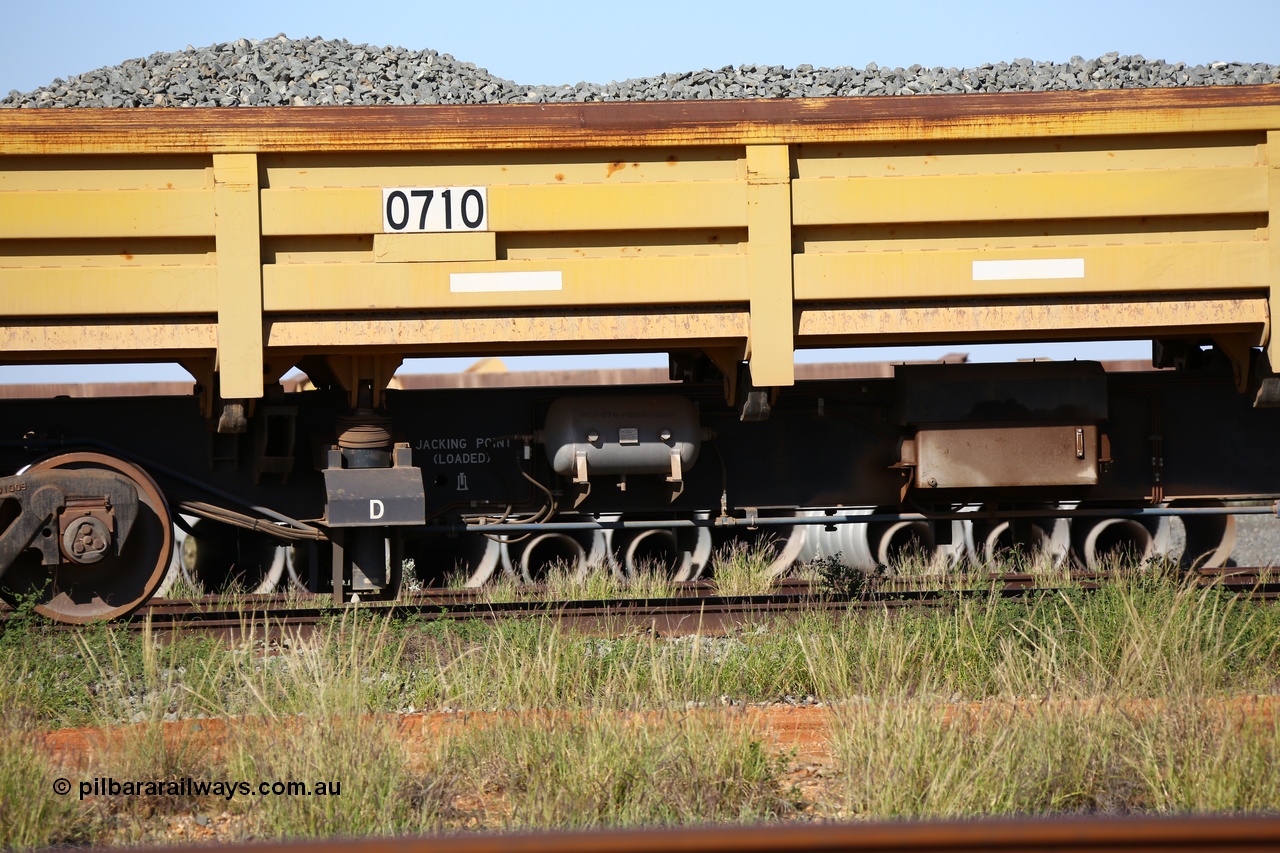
column 677, row 475
column 375, row 497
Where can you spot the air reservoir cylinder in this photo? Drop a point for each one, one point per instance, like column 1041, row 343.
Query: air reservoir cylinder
column 621, row 435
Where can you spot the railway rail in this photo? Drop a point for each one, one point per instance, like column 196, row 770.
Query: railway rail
column 695, row 607
column 1071, row 835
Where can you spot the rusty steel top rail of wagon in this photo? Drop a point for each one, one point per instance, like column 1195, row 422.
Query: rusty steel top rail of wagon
column 241, row 241
column 644, row 123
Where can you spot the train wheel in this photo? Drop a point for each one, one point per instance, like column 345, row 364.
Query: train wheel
column 1102, row 542
column 113, row 586
column 305, row 558
column 680, row 555
column 219, row 558
column 1210, row 539
column 576, row 554
column 780, row 545
column 1035, row 543
column 440, row 560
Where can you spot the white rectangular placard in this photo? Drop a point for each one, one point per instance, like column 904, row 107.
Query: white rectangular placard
column 1013, row 270
column 408, row 210
column 504, row 282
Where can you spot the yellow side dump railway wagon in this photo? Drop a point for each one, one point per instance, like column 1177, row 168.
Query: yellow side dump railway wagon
column 243, row 243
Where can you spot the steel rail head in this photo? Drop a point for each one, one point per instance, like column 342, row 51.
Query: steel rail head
column 1069, row 835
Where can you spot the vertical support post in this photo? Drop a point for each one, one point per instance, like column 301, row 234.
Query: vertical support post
column 1273, row 244
column 237, row 232
column 338, row 539
column 771, row 345
column 395, row 571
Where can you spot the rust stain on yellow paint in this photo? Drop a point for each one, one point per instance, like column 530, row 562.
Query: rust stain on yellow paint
column 579, row 126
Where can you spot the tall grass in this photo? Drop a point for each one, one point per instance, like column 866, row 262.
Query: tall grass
column 589, row 771
column 541, row 664
column 1072, row 701
column 1132, row 638
column 379, row 792
column 562, row 582
column 915, row 759
column 742, row 569
column 32, row 815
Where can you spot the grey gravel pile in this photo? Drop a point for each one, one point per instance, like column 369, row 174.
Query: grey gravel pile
column 282, row 71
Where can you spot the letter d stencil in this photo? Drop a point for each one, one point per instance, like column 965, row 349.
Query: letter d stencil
column 376, row 509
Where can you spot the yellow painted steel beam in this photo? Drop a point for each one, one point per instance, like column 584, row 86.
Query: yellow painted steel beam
column 556, row 207
column 474, row 168
column 624, row 244
column 45, row 340
column 1049, row 195
column 513, row 332
column 134, row 252
column 1029, row 156
column 618, row 207
column 1030, row 234
column 556, row 284
column 641, row 124
column 239, row 259
column 771, row 346
column 322, row 210
column 107, row 291
column 1151, row 268
column 349, row 249
column 1273, row 238
column 97, row 172
column 419, row 248
column 106, row 213
column 1045, row 320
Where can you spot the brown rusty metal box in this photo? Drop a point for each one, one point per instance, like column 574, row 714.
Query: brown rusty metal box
column 976, row 457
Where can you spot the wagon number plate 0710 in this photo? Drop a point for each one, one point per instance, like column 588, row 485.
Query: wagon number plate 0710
column 434, row 209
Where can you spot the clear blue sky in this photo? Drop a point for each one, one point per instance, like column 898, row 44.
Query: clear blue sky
column 568, row 42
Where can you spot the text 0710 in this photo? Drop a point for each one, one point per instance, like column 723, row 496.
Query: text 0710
column 434, row 209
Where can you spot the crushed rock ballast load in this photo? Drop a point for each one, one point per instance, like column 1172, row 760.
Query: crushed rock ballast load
column 319, row 72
